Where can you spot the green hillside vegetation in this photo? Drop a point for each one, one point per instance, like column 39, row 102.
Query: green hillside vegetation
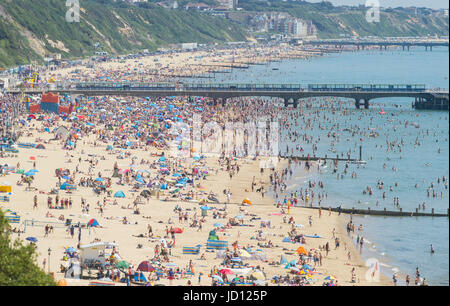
column 36, row 28
column 31, row 29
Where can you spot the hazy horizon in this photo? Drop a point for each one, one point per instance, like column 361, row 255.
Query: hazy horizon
column 434, row 4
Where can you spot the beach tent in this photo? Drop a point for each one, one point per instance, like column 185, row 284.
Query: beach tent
column 244, row 253
column 213, row 235
column 119, row 194
column 40, row 146
column 301, row 250
column 145, row 266
column 283, row 260
column 246, row 201
column 93, row 223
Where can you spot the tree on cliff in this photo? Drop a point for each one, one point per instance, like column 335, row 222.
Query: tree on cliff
column 18, row 262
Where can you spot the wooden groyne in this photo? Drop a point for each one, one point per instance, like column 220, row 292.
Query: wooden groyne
column 384, row 212
column 315, row 158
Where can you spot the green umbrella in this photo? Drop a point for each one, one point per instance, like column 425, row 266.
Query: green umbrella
column 123, row 265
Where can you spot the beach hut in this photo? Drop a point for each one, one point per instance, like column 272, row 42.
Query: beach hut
column 119, row 194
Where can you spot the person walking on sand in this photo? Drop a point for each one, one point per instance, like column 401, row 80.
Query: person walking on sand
column 394, row 279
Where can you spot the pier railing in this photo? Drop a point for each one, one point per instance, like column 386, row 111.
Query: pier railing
column 248, row 87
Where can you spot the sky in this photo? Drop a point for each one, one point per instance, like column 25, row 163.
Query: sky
column 435, row 4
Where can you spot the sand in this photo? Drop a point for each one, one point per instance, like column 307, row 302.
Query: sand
column 113, row 230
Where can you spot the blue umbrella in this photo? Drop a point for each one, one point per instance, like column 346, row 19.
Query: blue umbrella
column 99, row 179
column 66, row 177
column 239, row 217
column 70, row 250
column 218, row 225
column 205, row 207
column 32, row 239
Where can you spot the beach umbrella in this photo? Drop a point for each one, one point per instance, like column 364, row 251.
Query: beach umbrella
column 171, row 264
column 32, row 239
column 218, row 225
column 70, row 250
column 239, row 217
column 204, row 207
column 226, row 271
column 218, row 278
column 330, row 277
column 29, row 173
column 66, row 177
column 145, row 266
column 119, row 194
column 162, row 159
column 123, row 265
column 99, row 179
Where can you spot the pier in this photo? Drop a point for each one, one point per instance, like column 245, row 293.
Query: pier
column 382, row 44
column 290, row 93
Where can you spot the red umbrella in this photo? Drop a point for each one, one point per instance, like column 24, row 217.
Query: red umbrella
column 145, row 266
column 226, row 271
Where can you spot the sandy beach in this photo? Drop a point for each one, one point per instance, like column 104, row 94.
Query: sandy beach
column 160, row 212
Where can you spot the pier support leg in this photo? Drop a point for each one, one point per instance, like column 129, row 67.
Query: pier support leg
column 357, row 103
column 286, row 102
column 295, row 103
column 408, row 48
column 224, row 101
column 366, row 103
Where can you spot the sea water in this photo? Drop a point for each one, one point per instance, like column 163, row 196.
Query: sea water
column 399, row 243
